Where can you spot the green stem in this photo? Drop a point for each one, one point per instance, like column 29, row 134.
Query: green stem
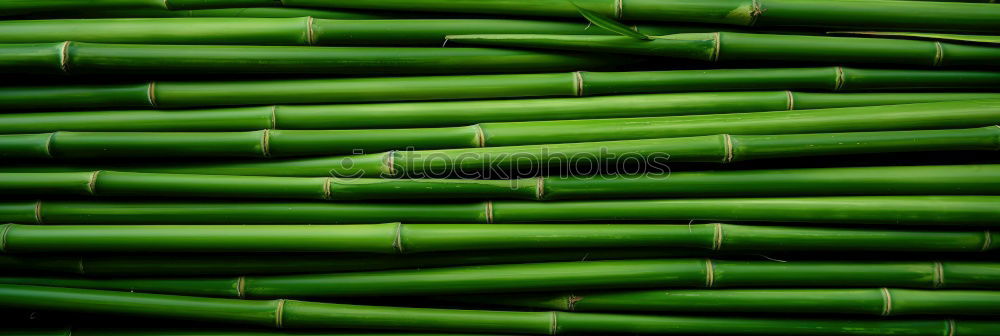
column 171, row 94
column 239, row 264
column 888, row 210
column 869, row 14
column 103, row 59
column 292, row 143
column 301, row 314
column 739, row 47
column 583, row 157
column 397, row 238
column 902, row 180
column 875, row 301
column 453, row 113
column 562, row 276
column 301, row 30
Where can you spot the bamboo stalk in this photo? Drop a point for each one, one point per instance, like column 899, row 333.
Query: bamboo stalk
column 562, row 276
column 453, row 113
column 889, row 210
column 727, row 46
column 100, row 59
column 251, row 12
column 874, row 301
column 291, row 143
column 901, row 180
column 146, row 265
column 301, row 314
column 170, row 94
column 397, row 238
column 160, row 331
column 583, row 157
column 868, row 14
column 304, row 30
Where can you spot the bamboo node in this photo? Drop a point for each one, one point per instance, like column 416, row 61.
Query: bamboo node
column 950, row 325
column 328, row 188
column 540, row 188
column 840, row 80
column 578, row 83
column 397, row 242
column 791, row 100
column 554, row 323
column 390, row 162
column 274, row 116
column 728, row 144
column 241, row 284
column 151, row 93
column 987, row 241
column 38, row 212
column 48, row 144
column 571, row 301
column 166, row 4
column 64, row 57
column 92, row 183
column 938, row 53
column 489, row 212
column 756, row 10
column 3, row 236
column 310, row 34
column 717, row 237
column 620, row 10
column 717, row 47
column 938, row 280
column 886, row 301
column 279, row 313
column 710, row 273
column 265, row 143
column 480, row 135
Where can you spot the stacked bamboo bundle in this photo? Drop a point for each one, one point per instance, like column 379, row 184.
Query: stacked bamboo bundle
column 499, row 167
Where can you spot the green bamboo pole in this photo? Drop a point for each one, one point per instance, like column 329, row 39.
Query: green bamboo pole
column 292, row 143
column 149, row 331
column 168, row 94
column 397, row 238
column 251, row 12
column 174, row 265
column 865, row 14
column 453, row 113
column 656, row 154
column 888, row 210
column 101, row 59
column 301, row 314
column 304, row 30
column 874, row 301
column 19, row 6
column 726, row 47
column 562, row 276
column 901, row 180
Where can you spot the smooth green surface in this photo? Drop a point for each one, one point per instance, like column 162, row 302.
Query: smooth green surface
column 302, row 314
column 875, row 301
column 730, row 47
column 291, row 143
column 902, row 180
column 897, row 210
column 417, row 238
column 657, row 154
column 173, row 265
column 563, row 276
column 869, row 14
column 175, row 94
column 453, row 113
column 148, row 59
column 301, row 30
